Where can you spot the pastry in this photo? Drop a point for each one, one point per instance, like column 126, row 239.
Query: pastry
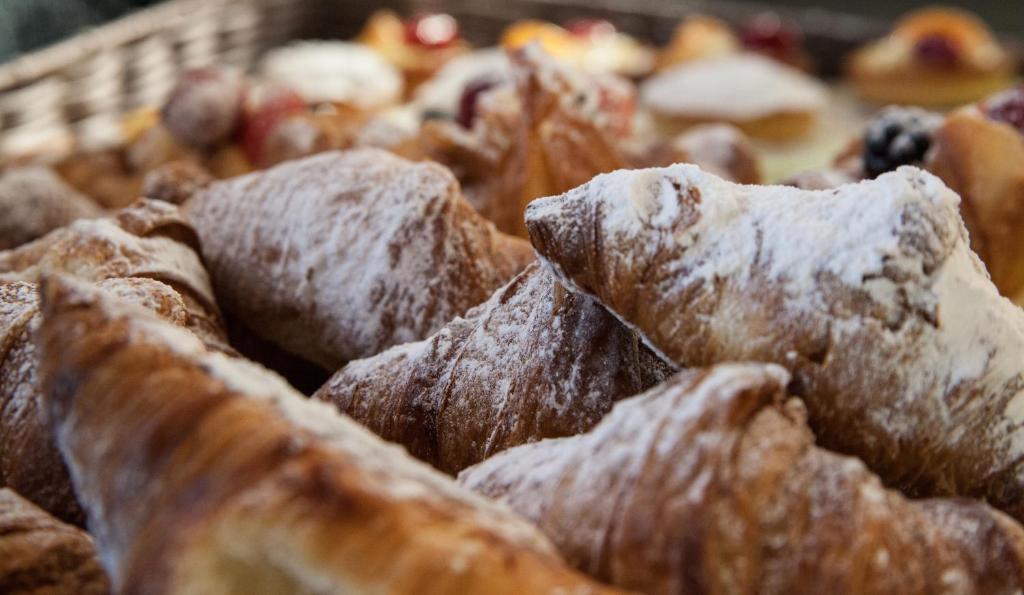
column 534, row 361
column 769, row 34
column 40, row 555
column 592, row 45
column 142, row 255
column 35, row 201
column 764, row 98
column 417, row 46
column 214, row 476
column 712, row 483
column 550, row 129
column 347, row 74
column 899, row 343
column 698, row 37
column 344, row 254
column 175, row 182
column 443, row 94
column 720, row 149
column 979, row 152
column 936, row 57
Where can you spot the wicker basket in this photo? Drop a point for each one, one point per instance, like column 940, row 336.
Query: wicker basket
column 73, row 94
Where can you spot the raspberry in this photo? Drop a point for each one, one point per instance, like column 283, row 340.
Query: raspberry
column 768, row 33
column 1007, row 106
column 937, row 50
column 590, row 28
column 470, row 97
column 898, row 136
column 263, row 113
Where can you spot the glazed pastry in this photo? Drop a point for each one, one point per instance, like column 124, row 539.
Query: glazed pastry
column 342, row 255
column 35, row 201
column 143, row 256
column 761, row 96
column 40, row 555
column 551, row 129
column 214, row 476
column 418, row 46
column 936, row 57
column 592, row 45
column 712, row 483
column 899, row 343
column 534, row 361
column 979, row 152
column 698, row 37
column 343, row 73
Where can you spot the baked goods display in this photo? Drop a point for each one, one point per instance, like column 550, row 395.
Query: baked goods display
column 936, row 56
column 712, row 483
column 572, row 313
column 215, row 476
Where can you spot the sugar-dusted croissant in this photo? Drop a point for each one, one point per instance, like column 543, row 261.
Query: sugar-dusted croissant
column 535, row 361
column 156, row 272
column 208, row 474
column 710, row 483
column 899, row 343
column 34, row 201
column 342, row 255
column 40, row 555
column 554, row 129
column 983, row 161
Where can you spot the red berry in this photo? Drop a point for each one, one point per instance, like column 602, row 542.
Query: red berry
column 937, row 50
column 769, row 33
column 470, row 98
column 433, row 31
column 1007, row 107
column 592, row 28
column 205, row 106
column 263, row 113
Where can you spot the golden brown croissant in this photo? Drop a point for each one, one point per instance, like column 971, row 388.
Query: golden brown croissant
column 534, row 361
column 208, row 474
column 34, row 201
column 40, row 555
column 156, row 272
column 899, row 343
column 342, row 255
column 554, row 129
column 983, row 161
column 710, row 483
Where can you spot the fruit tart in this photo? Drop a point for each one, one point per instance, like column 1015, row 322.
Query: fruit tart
column 418, row 46
column 933, row 57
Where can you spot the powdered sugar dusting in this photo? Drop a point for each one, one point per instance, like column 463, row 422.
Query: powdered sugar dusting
column 868, row 292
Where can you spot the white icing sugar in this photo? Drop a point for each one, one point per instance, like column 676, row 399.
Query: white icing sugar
column 335, row 71
column 738, row 87
column 443, row 91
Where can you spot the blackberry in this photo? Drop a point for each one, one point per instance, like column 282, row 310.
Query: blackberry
column 898, row 136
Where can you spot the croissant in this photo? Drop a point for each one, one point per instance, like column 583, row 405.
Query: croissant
column 344, row 254
column 34, row 202
column 208, row 474
column 899, row 343
column 156, row 272
column 40, row 555
column 553, row 129
column 981, row 160
column 534, row 361
column 711, row 483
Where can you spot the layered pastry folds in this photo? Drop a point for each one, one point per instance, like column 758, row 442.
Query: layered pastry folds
column 898, row 341
column 712, row 483
column 143, row 254
column 207, row 474
column 534, row 361
column 342, row 255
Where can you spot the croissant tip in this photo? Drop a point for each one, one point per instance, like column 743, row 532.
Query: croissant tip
column 58, row 291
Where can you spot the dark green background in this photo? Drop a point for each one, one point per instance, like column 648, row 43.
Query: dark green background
column 30, row 24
